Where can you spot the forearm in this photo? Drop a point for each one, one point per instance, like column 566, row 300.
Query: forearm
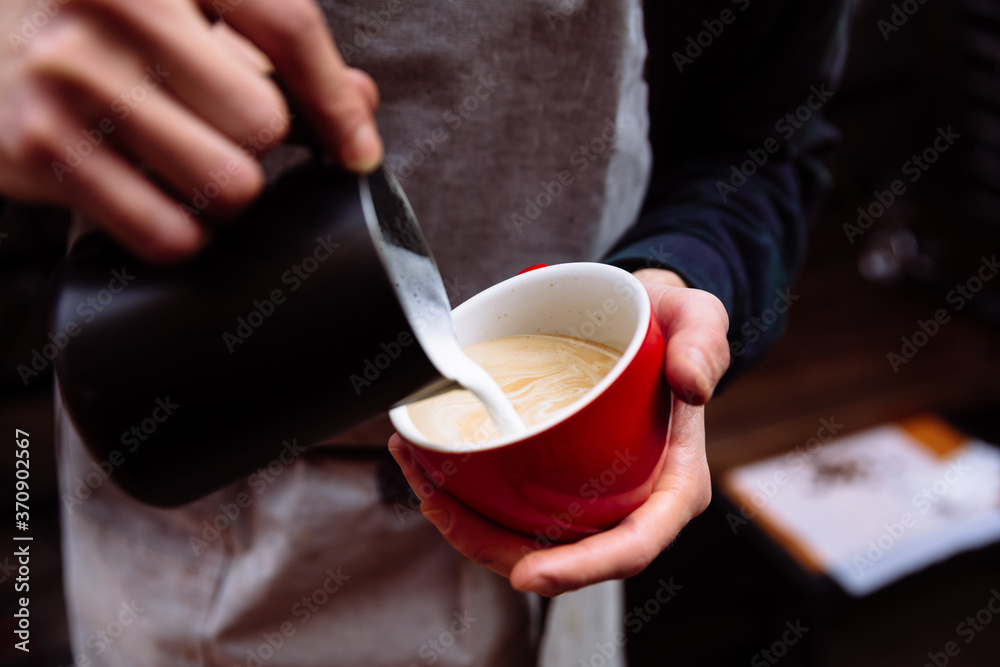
column 737, row 180
column 745, row 250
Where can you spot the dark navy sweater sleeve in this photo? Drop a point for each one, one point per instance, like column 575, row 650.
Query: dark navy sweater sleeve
column 737, row 89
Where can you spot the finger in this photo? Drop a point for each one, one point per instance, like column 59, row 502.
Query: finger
column 295, row 37
column 478, row 539
column 207, row 172
column 37, row 132
column 241, row 48
column 178, row 48
column 473, row 536
column 695, row 327
column 122, row 103
column 682, row 492
column 109, row 190
column 620, row 552
column 365, row 86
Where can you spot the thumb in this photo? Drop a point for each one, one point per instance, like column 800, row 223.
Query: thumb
column 694, row 325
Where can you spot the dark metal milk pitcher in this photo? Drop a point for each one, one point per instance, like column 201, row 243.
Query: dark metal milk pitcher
column 292, row 325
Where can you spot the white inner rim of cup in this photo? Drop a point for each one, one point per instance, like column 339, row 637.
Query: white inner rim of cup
column 596, row 302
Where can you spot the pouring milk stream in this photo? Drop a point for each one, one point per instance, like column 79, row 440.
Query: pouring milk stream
column 422, row 295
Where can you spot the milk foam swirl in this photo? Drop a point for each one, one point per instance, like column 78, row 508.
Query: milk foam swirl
column 540, row 373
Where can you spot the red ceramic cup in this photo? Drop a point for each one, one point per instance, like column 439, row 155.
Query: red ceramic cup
column 593, row 463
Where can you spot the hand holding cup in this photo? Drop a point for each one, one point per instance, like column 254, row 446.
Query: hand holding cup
column 694, row 325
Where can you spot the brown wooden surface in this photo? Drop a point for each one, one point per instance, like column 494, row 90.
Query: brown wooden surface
column 832, row 361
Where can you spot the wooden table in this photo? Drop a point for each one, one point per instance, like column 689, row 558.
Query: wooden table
column 741, row 590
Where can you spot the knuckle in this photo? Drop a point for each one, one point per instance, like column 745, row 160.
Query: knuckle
column 32, row 138
column 552, row 585
column 721, row 353
column 723, row 315
column 245, row 183
column 268, row 120
column 365, row 85
column 296, row 20
column 480, row 554
column 642, row 556
column 643, row 550
column 57, row 45
column 690, row 393
column 632, row 569
column 164, row 245
column 709, row 301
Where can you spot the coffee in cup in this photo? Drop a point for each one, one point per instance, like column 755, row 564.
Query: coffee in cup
column 541, row 374
column 595, row 460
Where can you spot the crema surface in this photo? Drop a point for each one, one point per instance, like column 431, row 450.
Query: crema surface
column 541, row 374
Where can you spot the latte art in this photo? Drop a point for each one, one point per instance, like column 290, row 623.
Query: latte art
column 541, row 374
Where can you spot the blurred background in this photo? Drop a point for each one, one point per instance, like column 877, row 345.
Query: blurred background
column 746, row 593
column 745, row 586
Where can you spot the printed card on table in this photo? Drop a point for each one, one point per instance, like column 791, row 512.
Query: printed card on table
column 872, row 507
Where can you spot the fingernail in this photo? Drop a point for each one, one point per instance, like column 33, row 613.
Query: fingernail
column 440, row 518
column 363, row 151
column 402, row 456
column 543, row 585
column 704, row 379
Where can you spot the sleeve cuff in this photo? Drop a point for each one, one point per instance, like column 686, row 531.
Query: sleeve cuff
column 693, row 259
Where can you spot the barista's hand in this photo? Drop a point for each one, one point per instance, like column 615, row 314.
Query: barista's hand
column 129, row 109
column 694, row 324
